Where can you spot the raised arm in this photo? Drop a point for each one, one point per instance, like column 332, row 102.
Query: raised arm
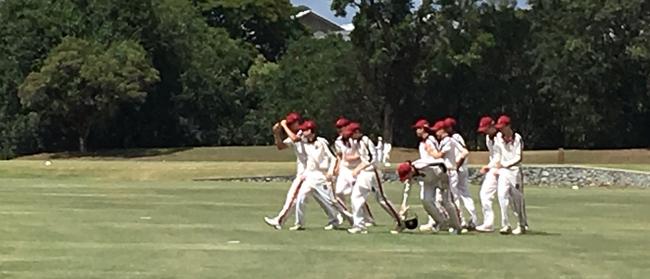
column 293, row 136
column 277, row 137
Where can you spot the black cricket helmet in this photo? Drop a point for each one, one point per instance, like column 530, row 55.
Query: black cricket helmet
column 411, row 223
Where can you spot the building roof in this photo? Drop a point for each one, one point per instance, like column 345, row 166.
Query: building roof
column 315, row 22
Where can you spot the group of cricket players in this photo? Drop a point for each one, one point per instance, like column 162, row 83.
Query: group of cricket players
column 352, row 168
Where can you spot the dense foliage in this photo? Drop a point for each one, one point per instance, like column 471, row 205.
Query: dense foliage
column 77, row 74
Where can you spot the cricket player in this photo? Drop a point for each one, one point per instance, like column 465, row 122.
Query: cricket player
column 367, row 180
column 453, row 156
column 319, row 168
column 489, row 185
column 510, row 180
column 431, row 174
column 427, row 142
column 461, row 189
column 290, row 126
column 347, row 160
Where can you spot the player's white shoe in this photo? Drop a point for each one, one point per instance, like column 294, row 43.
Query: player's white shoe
column 453, row 231
column 357, row 230
column 430, row 228
column 398, row 229
column 369, row 223
column 273, row 223
column 505, row 230
column 297, row 228
column 519, row 230
column 330, row 227
column 484, row 228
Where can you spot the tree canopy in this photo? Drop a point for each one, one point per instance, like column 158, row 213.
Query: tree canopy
column 77, row 75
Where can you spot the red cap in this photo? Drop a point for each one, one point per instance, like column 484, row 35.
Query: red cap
column 450, row 122
column 342, row 122
column 439, row 125
column 484, row 124
column 403, row 170
column 308, row 125
column 352, row 127
column 421, row 123
column 503, row 121
column 293, row 117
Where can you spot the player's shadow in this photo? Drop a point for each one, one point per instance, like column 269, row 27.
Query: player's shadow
column 475, row 233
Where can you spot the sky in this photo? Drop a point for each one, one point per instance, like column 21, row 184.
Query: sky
column 322, row 7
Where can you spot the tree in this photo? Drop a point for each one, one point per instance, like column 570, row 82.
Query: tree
column 82, row 83
column 269, row 25
column 29, row 29
column 317, row 77
column 591, row 65
column 206, row 73
column 387, row 45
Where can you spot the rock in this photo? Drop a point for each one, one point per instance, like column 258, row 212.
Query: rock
column 548, row 176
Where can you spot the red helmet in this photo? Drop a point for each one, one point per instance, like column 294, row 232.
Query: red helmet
column 403, row 170
column 293, row 117
column 485, row 123
column 342, row 122
column 420, row 123
column 503, row 121
column 308, row 125
column 450, row 122
column 439, row 125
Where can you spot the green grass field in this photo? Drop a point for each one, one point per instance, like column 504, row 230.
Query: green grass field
column 79, row 219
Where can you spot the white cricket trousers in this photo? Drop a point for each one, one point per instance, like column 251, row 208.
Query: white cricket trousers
column 290, row 200
column 429, row 199
column 458, row 181
column 316, row 184
column 344, row 184
column 508, row 192
column 369, row 181
column 488, row 192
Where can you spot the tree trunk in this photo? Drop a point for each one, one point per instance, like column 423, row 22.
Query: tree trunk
column 83, row 136
column 82, row 144
column 388, row 123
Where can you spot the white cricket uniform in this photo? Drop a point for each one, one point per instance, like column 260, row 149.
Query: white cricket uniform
column 461, row 187
column 432, row 176
column 509, row 182
column 489, row 185
column 345, row 180
column 432, row 142
column 366, row 181
column 320, row 162
column 292, row 194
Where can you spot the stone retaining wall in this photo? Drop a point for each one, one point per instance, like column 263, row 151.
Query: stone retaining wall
column 553, row 175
